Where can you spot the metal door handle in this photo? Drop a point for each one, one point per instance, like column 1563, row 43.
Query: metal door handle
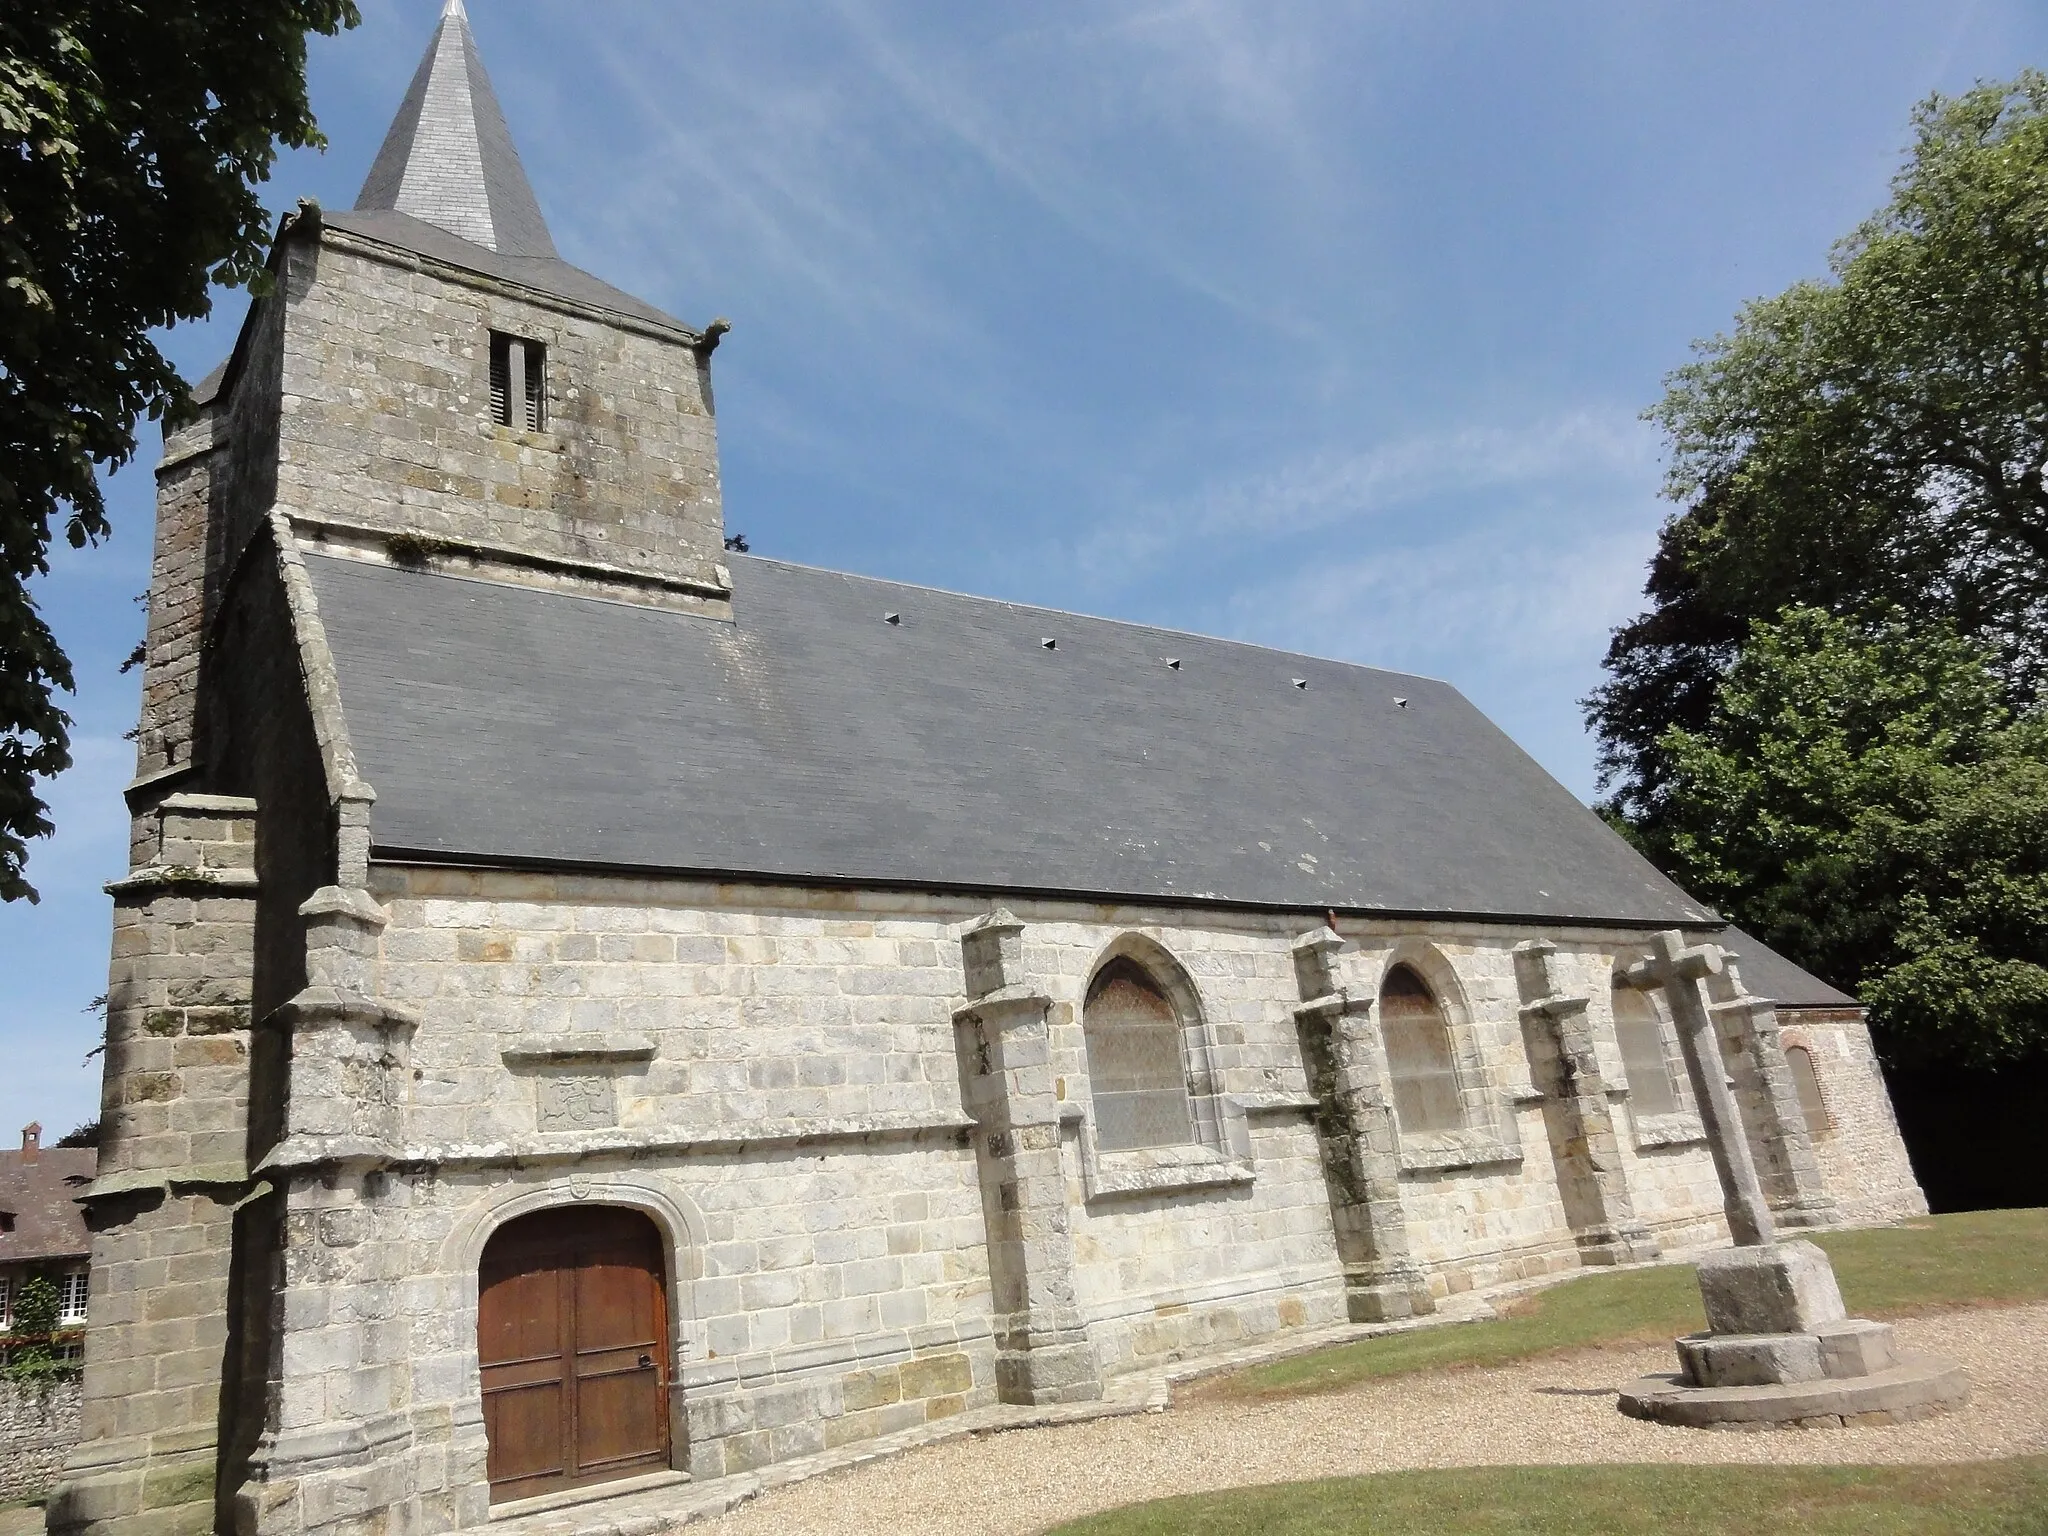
column 646, row 1360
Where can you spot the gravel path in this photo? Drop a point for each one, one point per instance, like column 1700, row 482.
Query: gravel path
column 1542, row 1412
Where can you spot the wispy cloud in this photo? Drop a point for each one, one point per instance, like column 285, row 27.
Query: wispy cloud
column 1602, row 450
column 1516, row 614
column 1522, row 595
column 1132, row 73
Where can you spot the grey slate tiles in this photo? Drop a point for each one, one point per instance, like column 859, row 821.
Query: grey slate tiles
column 815, row 740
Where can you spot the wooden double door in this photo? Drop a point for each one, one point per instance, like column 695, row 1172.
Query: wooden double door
column 572, row 1334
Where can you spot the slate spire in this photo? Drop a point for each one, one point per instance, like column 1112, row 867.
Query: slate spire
column 449, row 160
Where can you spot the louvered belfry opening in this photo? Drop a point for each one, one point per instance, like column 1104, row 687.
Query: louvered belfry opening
column 518, row 382
column 1418, row 1037
column 1137, row 1078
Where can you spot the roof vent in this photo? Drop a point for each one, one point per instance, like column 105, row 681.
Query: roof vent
column 1301, row 683
column 1173, row 662
column 892, row 618
column 1400, row 703
column 1049, row 643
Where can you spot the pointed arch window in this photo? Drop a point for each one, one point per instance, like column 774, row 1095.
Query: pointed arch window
column 1813, row 1104
column 1419, row 1058
column 1645, row 1055
column 1137, row 1075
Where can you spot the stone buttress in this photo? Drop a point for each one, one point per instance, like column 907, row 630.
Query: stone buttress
column 1042, row 1350
column 1347, row 1072
column 1565, row 1065
column 172, row 1169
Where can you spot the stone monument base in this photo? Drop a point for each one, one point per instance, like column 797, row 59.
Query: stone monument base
column 1914, row 1388
column 1781, row 1351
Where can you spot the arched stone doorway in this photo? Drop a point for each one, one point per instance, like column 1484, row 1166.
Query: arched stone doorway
column 573, row 1341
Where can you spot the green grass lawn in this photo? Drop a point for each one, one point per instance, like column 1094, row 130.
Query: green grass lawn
column 1983, row 1498
column 1979, row 1258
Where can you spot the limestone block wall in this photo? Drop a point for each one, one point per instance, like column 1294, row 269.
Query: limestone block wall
column 786, row 1061
column 786, row 1081
column 1861, row 1154
column 174, row 1109
column 1178, row 1268
column 386, row 419
column 38, row 1426
column 177, row 603
column 1670, row 1172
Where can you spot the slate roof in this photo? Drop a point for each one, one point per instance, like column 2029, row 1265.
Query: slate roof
column 812, row 740
column 1769, row 974
column 546, row 274
column 448, row 157
column 448, row 182
column 42, row 1198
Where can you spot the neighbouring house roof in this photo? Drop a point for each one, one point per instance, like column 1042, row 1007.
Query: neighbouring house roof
column 42, row 1198
column 1769, row 974
column 814, row 740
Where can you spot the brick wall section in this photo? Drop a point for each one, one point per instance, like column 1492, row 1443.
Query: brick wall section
column 1862, row 1157
column 38, row 1425
column 386, row 420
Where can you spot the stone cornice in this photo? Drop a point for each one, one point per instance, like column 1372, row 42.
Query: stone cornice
column 406, row 260
column 183, row 879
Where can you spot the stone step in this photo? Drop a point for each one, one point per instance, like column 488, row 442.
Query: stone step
column 1833, row 1351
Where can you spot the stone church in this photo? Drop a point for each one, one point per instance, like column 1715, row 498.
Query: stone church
column 590, row 1008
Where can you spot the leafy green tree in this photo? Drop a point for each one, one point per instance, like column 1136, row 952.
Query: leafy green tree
column 1872, row 441
column 132, row 139
column 1864, row 798
column 36, row 1311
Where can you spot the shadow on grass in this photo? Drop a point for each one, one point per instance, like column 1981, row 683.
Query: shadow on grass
column 1976, row 1258
column 1984, row 1498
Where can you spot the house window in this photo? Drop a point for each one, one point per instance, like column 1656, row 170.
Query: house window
column 1418, row 1037
column 1813, row 1108
column 519, row 396
column 1137, row 1077
column 6, row 1303
column 1651, row 1088
column 71, row 1297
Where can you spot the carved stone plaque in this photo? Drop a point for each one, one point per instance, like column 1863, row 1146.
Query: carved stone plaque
column 577, row 1101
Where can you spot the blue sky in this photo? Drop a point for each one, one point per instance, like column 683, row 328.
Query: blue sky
column 1321, row 325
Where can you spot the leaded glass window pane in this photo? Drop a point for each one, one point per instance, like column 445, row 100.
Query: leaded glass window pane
column 1640, row 1032
column 1418, row 1037
column 1806, row 1083
column 1136, row 1075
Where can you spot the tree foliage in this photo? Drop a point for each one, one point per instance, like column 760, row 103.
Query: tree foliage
column 132, row 139
column 1864, row 798
column 37, row 1308
column 1875, row 441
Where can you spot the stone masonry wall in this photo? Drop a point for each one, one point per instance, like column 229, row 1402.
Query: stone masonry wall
column 774, row 1078
column 790, row 1060
column 387, row 419
column 1861, row 1154
column 177, row 598
column 171, row 1167
column 38, row 1426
